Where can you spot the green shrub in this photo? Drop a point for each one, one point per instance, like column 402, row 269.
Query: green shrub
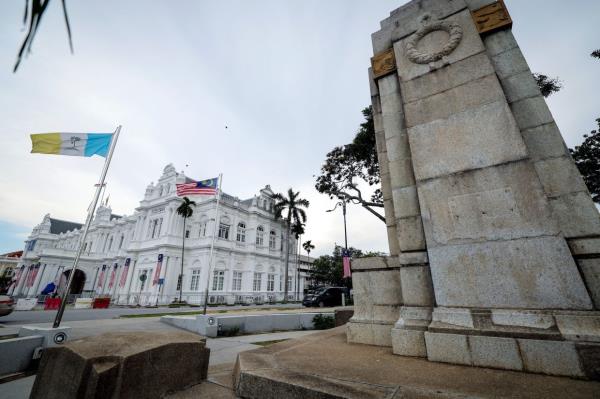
column 322, row 322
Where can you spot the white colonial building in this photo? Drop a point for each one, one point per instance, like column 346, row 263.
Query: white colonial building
column 121, row 253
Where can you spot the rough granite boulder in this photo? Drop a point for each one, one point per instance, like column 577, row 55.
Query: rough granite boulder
column 122, row 365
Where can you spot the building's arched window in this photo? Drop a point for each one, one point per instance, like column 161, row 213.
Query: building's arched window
column 110, row 242
column 241, row 232
column 160, row 192
column 218, row 280
column 195, row 281
column 260, row 233
column 272, row 239
column 121, row 241
column 236, row 284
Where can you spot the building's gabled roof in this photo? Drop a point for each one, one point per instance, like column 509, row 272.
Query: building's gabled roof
column 15, row 254
column 58, row 226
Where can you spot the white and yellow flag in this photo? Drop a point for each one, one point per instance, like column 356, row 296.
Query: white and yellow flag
column 74, row 144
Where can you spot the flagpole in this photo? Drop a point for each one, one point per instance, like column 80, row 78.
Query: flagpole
column 212, row 244
column 88, row 221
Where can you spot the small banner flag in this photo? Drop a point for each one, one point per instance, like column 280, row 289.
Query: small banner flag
column 101, row 278
column 204, row 187
column 346, row 263
column 18, row 276
column 124, row 273
column 112, row 276
column 28, row 282
column 158, row 267
column 74, row 144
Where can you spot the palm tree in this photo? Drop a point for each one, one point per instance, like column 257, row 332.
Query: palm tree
column 297, row 230
column 295, row 214
column 308, row 246
column 185, row 210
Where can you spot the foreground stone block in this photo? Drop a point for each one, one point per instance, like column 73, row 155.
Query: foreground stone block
column 122, row 365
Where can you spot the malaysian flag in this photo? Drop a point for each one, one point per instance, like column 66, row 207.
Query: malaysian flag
column 158, row 267
column 346, row 263
column 124, row 273
column 204, row 187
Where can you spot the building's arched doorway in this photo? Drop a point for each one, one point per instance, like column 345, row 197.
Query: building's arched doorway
column 76, row 285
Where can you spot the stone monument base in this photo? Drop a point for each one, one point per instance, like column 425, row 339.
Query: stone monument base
column 324, row 365
column 563, row 343
column 122, row 365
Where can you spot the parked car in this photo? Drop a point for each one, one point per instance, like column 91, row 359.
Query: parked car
column 325, row 296
column 7, row 305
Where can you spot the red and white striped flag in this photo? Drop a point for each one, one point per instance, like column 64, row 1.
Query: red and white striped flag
column 346, row 263
column 113, row 274
column 101, row 278
column 204, row 187
column 124, row 273
column 158, row 267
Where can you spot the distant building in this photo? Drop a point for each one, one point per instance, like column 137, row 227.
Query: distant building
column 8, row 264
column 248, row 263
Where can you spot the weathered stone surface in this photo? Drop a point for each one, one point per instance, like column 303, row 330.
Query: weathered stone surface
column 479, row 137
column 408, row 343
column 534, row 273
column 470, row 44
column 499, row 42
column 579, row 327
column 559, row 176
column 591, row 273
column 416, row 286
column 582, row 246
column 504, row 202
column 410, row 233
column 519, row 86
column 397, row 147
column 440, row 106
column 531, row 112
column 477, row 4
column 584, row 222
column 122, row 365
column 531, row 319
column 413, row 258
column 509, row 63
column 455, row 316
column 375, row 262
column 500, row 353
column 443, row 79
column 406, row 202
column 405, row 20
column 550, row 357
column 369, row 333
column 447, row 348
column 401, row 173
column 544, row 141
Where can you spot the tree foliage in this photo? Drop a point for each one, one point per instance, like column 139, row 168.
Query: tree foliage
column 587, row 159
column 308, row 246
column 34, row 11
column 547, row 84
column 596, row 54
column 328, row 269
column 185, row 210
column 345, row 166
column 296, row 215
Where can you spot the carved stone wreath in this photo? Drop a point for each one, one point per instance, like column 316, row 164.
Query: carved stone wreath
column 453, row 29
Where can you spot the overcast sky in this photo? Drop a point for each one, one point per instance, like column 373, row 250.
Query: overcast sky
column 288, row 78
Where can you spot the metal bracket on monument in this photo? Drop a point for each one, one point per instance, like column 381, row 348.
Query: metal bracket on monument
column 492, row 18
column 383, row 63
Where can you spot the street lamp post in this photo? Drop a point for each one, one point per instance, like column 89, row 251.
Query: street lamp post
column 343, row 205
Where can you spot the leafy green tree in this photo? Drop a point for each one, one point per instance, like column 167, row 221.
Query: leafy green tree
column 547, row 84
column 347, row 165
column 308, row 246
column 184, row 210
column 328, row 269
column 587, row 158
column 293, row 204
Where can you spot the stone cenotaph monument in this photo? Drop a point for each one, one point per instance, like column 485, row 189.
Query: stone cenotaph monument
column 494, row 239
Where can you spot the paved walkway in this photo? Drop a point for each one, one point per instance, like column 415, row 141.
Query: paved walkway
column 223, row 351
